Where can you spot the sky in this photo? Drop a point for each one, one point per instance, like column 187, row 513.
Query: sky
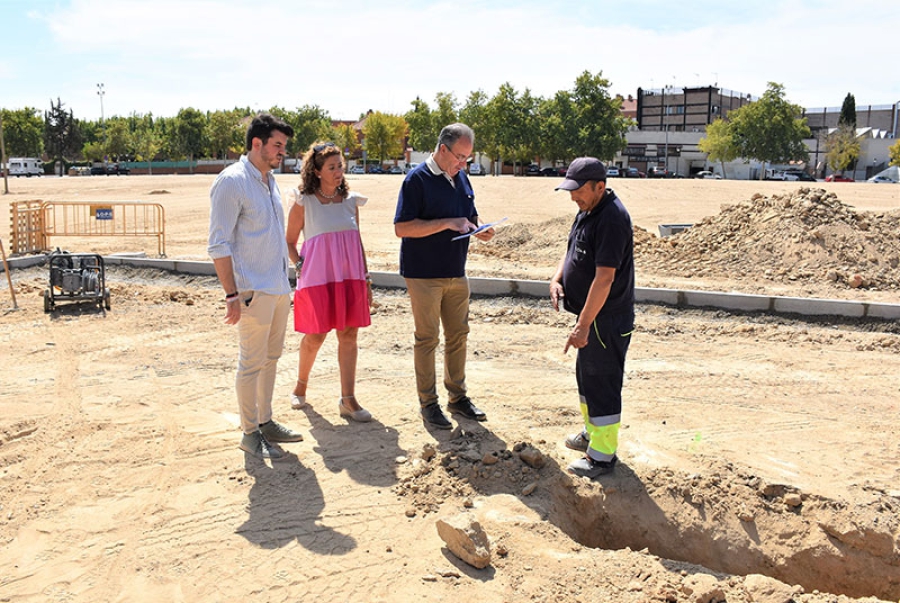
column 350, row 57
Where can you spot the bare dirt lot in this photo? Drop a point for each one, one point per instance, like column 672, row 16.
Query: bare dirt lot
column 759, row 453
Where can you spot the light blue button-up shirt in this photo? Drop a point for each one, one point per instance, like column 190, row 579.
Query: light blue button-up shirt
column 246, row 222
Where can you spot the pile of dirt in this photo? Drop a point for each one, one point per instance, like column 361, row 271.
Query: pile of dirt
column 805, row 237
column 808, row 235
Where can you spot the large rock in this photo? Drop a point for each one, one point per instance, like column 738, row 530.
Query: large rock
column 703, row 588
column 466, row 539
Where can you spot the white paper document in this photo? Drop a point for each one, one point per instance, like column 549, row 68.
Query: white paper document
column 479, row 229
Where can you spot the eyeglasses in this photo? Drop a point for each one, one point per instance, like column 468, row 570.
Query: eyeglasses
column 459, row 158
column 321, row 147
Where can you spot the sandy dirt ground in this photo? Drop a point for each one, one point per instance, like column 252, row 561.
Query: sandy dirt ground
column 759, row 453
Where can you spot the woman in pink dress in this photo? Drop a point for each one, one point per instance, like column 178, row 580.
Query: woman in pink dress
column 333, row 285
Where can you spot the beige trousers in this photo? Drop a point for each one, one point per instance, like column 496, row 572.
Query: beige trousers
column 440, row 302
column 261, row 332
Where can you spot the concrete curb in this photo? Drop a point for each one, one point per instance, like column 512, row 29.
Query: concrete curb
column 805, row 306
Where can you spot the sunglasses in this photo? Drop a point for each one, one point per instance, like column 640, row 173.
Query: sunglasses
column 321, row 147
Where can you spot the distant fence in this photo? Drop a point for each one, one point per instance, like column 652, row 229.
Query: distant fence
column 34, row 222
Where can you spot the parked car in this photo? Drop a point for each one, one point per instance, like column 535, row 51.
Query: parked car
column 796, row 175
column 658, row 172
column 357, row 169
column 476, row 169
column 612, row 171
column 410, row 167
column 553, row 172
column 707, row 175
column 112, row 169
column 881, row 180
column 376, row 169
column 806, row 177
column 533, row 170
column 838, row 178
column 395, row 169
column 633, row 172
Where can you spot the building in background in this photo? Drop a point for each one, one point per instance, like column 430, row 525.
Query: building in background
column 672, row 120
column 685, row 109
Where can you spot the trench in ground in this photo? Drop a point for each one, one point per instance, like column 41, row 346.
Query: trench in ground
column 739, row 525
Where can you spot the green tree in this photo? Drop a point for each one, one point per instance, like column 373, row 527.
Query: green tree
column 91, row 131
column 445, row 113
column 118, row 139
column 62, row 137
column 23, row 132
column 93, row 151
column 475, row 115
column 512, row 117
column 601, row 126
column 188, row 135
column 225, row 133
column 310, row 124
column 147, row 143
column 165, row 128
column 848, row 112
column 894, row 152
column 425, row 124
column 843, row 148
column 385, row 134
column 345, row 136
column 422, row 135
column 719, row 143
column 559, row 127
column 769, row 130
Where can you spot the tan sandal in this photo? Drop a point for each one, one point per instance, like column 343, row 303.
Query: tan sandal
column 362, row 415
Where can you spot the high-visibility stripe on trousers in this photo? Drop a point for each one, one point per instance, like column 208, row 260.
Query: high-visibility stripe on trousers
column 600, row 372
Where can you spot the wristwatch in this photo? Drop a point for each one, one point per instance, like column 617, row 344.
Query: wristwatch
column 298, row 265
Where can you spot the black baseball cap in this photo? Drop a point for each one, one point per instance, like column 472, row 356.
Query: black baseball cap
column 582, row 170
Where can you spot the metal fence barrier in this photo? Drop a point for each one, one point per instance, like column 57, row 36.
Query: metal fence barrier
column 33, row 225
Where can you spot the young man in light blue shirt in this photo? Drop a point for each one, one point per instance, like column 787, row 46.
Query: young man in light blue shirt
column 246, row 243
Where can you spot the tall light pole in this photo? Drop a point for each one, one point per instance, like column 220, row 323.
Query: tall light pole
column 101, row 93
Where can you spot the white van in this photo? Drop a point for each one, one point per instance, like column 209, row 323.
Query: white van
column 476, row 169
column 25, row 166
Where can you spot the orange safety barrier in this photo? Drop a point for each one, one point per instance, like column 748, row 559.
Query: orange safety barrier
column 89, row 219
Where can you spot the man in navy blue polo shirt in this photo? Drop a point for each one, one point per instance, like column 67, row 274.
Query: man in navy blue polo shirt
column 595, row 281
column 436, row 204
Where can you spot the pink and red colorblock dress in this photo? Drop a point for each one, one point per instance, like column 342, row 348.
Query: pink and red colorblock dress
column 331, row 290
